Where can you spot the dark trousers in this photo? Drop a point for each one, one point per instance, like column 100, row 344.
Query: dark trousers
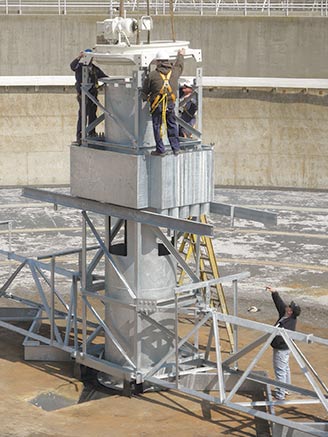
column 172, row 128
column 91, row 113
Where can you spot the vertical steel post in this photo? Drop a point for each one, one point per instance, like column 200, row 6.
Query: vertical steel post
column 10, row 227
column 137, row 84
column 137, row 347
column 52, row 304
column 199, row 85
column 74, row 303
column 85, row 82
column 198, row 256
column 83, row 284
column 235, row 313
column 218, row 357
column 176, row 327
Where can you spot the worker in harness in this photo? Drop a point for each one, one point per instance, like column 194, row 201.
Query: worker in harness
column 160, row 88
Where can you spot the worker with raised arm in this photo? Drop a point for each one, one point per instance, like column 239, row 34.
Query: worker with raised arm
column 287, row 319
column 188, row 107
column 95, row 73
column 160, row 87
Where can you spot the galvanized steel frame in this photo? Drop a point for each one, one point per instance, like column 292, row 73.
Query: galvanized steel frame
column 135, row 140
column 219, row 366
column 121, row 212
column 190, row 299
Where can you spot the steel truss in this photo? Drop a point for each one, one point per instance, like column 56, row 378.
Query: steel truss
column 208, row 375
column 133, row 139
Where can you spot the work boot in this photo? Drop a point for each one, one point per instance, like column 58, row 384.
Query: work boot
column 157, row 153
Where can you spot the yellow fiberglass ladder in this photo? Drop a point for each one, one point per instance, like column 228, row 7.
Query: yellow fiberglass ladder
column 208, row 269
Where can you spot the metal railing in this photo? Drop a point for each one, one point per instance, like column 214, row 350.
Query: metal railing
column 162, row 7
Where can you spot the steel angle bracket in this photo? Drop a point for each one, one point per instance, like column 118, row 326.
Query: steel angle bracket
column 267, row 218
column 122, row 212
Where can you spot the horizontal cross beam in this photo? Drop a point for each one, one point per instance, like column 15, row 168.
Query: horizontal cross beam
column 123, row 212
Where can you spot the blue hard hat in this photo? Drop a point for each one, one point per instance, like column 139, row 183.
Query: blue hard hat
column 88, row 51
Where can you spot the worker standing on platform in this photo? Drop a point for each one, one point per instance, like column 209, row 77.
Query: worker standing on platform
column 95, row 73
column 160, row 87
column 287, row 320
column 188, row 108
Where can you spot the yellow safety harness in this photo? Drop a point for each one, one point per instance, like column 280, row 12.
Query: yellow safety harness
column 162, row 97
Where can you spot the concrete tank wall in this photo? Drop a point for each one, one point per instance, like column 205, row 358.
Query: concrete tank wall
column 35, row 130
column 261, row 138
column 232, row 46
column 266, row 139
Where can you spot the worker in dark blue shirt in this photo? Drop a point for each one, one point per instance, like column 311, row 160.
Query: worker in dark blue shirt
column 287, row 320
column 188, row 107
column 95, row 73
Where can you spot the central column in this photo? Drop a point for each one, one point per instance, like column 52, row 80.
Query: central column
column 150, row 271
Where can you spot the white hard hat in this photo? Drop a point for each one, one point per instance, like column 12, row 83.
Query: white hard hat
column 162, row 55
column 188, row 83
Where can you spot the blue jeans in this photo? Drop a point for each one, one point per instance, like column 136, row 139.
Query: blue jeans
column 281, row 369
column 172, row 128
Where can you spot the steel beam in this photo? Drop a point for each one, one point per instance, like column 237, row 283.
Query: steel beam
column 294, row 335
column 24, row 260
column 267, row 218
column 140, row 216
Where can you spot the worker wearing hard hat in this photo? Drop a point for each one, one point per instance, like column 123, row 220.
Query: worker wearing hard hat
column 287, row 319
column 95, row 73
column 160, row 87
column 188, row 107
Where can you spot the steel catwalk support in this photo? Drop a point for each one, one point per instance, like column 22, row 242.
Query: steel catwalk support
column 141, row 216
column 218, row 359
column 84, row 284
column 194, row 364
column 302, row 363
column 226, row 400
column 108, row 256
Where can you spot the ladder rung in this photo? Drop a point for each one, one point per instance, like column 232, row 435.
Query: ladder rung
column 208, row 272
